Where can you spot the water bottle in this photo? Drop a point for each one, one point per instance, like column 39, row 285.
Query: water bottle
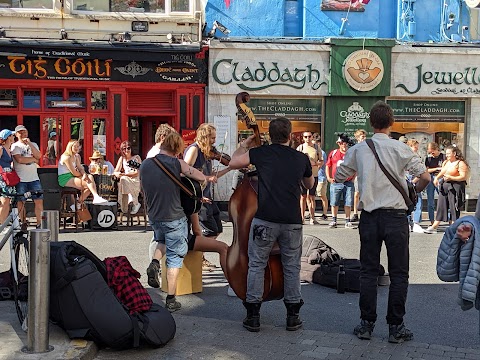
column 341, row 280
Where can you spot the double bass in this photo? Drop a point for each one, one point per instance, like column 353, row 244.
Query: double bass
column 242, row 208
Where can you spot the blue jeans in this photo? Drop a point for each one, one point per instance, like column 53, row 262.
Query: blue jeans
column 431, row 189
column 417, row 214
column 174, row 235
column 347, row 189
column 23, row 187
column 391, row 226
column 263, row 234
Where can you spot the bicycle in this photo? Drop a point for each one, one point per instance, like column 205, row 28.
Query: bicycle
column 19, row 254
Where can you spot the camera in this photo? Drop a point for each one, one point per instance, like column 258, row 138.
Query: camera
column 342, row 137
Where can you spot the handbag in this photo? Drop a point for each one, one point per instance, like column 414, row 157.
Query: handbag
column 83, row 214
column 10, row 177
column 412, row 197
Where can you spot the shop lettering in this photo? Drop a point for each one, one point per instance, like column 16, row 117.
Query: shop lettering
column 469, row 76
column 65, row 67
column 295, row 78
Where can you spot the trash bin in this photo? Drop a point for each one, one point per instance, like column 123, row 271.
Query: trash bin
column 104, row 217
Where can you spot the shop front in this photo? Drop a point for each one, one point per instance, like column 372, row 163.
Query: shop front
column 99, row 95
column 282, row 79
column 435, row 95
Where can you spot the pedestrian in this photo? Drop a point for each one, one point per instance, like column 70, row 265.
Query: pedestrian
column 433, row 162
column 451, row 180
column 322, row 185
column 162, row 131
column 345, row 189
column 7, row 192
column 278, row 219
column 383, row 219
column 169, row 223
column 360, row 135
column 307, row 199
column 26, row 156
column 416, row 217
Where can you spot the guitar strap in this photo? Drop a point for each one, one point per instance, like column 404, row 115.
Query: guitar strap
column 174, row 178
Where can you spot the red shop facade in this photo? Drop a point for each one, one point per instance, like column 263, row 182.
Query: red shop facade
column 99, row 94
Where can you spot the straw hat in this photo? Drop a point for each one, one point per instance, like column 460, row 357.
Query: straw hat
column 96, row 155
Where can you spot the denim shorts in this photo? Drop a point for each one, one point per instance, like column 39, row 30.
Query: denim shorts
column 174, row 235
column 23, row 187
column 336, row 191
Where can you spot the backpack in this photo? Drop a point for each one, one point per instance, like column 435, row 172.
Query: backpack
column 314, row 253
column 85, row 307
column 6, row 285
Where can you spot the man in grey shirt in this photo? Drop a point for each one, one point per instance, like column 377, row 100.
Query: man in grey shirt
column 383, row 218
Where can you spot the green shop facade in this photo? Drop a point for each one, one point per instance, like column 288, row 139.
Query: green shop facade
column 329, row 88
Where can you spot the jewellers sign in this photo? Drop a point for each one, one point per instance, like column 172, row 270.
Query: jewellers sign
column 448, row 76
column 269, row 72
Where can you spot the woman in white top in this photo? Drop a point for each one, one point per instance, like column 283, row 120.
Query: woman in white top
column 72, row 174
column 129, row 183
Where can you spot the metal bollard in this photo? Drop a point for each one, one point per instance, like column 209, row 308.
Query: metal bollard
column 38, row 292
column 50, row 221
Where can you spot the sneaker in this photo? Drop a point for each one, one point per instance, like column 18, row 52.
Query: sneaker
column 135, row 209
column 324, row 217
column 307, row 216
column 153, row 271
column 355, row 218
column 399, row 334
column 430, row 230
column 313, row 221
column 172, row 305
column 230, row 292
column 349, row 225
column 332, row 225
column 417, row 228
column 98, row 200
column 364, row 330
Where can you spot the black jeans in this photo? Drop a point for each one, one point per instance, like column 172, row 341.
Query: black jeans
column 391, row 226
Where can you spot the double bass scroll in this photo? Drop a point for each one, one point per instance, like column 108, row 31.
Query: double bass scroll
column 242, row 207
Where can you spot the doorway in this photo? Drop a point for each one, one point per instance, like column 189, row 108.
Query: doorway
column 141, row 132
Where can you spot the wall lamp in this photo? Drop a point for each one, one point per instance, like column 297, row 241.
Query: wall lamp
column 3, row 33
column 219, row 26
column 121, row 37
column 63, row 34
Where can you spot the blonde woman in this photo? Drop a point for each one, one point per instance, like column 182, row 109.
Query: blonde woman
column 129, row 183
column 451, row 181
column 72, row 174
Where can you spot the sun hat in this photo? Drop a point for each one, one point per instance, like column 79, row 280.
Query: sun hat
column 20, row 128
column 5, row 133
column 96, row 155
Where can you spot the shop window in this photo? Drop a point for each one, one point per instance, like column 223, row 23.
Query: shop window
column 77, row 129
column 51, row 135
column 293, row 18
column 27, row 4
column 76, row 99
column 54, row 98
column 99, row 135
column 8, row 98
column 31, row 99
column 139, row 6
column 99, row 100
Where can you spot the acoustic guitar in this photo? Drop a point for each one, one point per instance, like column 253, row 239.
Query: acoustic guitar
column 191, row 191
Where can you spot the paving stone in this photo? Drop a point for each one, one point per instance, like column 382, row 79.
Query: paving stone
column 313, row 355
column 442, row 347
column 455, row 355
column 308, row 342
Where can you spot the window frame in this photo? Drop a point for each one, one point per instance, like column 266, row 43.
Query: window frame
column 168, row 12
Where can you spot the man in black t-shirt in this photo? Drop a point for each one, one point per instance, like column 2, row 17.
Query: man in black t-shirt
column 281, row 170
column 433, row 163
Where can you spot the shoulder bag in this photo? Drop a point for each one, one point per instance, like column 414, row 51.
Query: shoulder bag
column 412, row 197
column 9, row 177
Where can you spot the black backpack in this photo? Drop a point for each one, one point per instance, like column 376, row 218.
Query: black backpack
column 314, row 253
column 85, row 307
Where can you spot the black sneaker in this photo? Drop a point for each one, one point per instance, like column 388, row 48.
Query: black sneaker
column 324, row 217
column 355, row 218
column 172, row 305
column 153, row 271
column 399, row 334
column 364, row 330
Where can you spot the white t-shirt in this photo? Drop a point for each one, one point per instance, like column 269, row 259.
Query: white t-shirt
column 154, row 151
column 26, row 172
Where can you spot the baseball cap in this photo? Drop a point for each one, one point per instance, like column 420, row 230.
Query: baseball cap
column 5, row 133
column 52, row 133
column 20, row 128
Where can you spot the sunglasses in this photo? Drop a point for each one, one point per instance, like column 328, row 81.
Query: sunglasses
column 307, row 136
column 126, row 148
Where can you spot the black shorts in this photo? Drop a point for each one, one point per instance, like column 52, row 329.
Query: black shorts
column 210, row 222
column 312, row 190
